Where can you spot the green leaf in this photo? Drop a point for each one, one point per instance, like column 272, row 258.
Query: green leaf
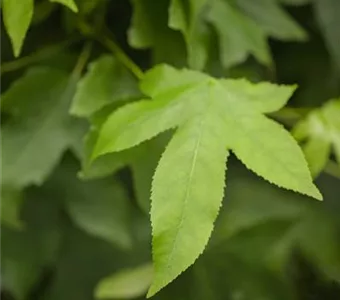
column 26, row 253
column 239, row 35
column 107, row 81
column 126, row 284
column 11, row 201
column 186, row 17
column 296, row 2
column 327, row 13
column 273, row 19
column 212, row 116
column 99, row 207
column 69, row 3
column 182, row 226
column 149, row 29
column 39, row 126
column 321, row 131
column 265, row 96
column 17, row 17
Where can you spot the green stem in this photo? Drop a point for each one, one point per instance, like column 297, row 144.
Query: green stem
column 111, row 45
column 82, row 60
column 34, row 57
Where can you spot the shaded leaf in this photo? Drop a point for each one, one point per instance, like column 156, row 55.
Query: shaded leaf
column 11, row 201
column 149, row 29
column 106, row 81
column 239, row 35
column 69, row 3
column 186, row 16
column 38, row 126
column 273, row 19
column 327, row 13
column 126, row 284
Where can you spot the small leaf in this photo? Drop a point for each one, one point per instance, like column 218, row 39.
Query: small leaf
column 107, row 81
column 320, row 131
column 17, row 17
column 126, row 284
column 69, row 3
column 239, row 35
column 273, row 19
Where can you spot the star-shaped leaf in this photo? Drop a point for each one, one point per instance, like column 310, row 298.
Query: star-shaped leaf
column 212, row 117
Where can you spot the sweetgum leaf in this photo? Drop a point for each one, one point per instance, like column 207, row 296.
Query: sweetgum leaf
column 69, row 3
column 239, row 35
column 37, row 135
column 17, row 16
column 211, row 118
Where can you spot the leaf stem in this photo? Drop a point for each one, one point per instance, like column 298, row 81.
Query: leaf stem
column 111, row 45
column 34, row 57
column 82, row 60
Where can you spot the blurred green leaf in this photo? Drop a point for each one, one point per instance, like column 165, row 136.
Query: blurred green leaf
column 321, row 129
column 186, row 16
column 126, row 284
column 273, row 19
column 11, row 201
column 100, row 207
column 327, row 13
column 39, row 126
column 69, row 3
column 149, row 29
column 239, row 36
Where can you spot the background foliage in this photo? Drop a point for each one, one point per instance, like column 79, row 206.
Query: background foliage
column 72, row 229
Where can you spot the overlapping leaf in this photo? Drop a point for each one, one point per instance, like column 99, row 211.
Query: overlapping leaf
column 270, row 16
column 320, row 131
column 40, row 130
column 107, row 81
column 212, row 116
column 242, row 28
column 149, row 29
